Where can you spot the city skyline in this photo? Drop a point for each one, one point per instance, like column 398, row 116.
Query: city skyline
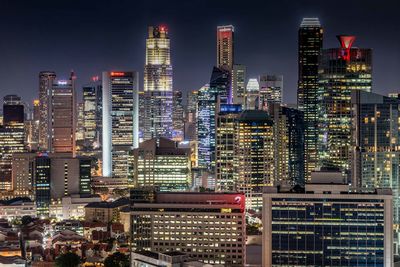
column 89, row 49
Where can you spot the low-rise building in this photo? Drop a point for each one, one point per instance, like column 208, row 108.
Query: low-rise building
column 17, row 208
column 105, row 211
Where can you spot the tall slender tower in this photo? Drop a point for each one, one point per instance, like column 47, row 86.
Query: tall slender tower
column 62, row 116
column 225, row 48
column 46, row 79
column 310, row 47
column 158, row 95
column 120, row 121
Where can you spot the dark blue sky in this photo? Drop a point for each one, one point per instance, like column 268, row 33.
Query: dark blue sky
column 90, row 36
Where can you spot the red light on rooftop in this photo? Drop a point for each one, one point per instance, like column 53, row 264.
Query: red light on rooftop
column 113, row 73
column 95, row 78
column 346, row 42
column 163, row 28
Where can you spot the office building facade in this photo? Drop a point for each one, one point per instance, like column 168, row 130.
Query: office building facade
column 225, row 47
column 208, row 227
column 158, row 82
column 120, row 121
column 310, row 39
column 46, row 79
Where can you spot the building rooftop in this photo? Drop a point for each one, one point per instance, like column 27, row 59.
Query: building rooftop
column 109, row 205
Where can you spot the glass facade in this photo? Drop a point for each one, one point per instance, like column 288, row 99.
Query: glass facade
column 327, row 232
column 342, row 70
column 42, row 185
column 92, row 102
column 158, row 75
column 310, row 38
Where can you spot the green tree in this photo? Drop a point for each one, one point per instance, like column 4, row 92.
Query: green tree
column 26, row 219
column 117, row 259
column 68, row 259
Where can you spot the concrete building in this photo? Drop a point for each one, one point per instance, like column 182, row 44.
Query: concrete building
column 208, row 227
column 16, row 208
column 105, row 211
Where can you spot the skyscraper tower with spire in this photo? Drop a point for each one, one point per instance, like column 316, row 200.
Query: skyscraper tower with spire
column 158, row 92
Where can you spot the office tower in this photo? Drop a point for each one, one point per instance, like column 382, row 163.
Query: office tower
column 342, row 70
column 161, row 164
column 12, row 137
column 92, row 103
column 46, row 79
column 191, row 116
column 375, row 157
column 288, row 145
column 271, row 88
column 142, row 111
column 158, row 95
column 178, row 117
column 23, row 171
column 33, row 137
column 80, row 130
column 327, row 225
column 42, row 185
column 225, row 146
column 252, row 94
column 310, row 37
column 225, row 47
column 239, row 84
column 208, row 227
column 208, row 99
column 62, row 116
column 254, row 155
column 13, row 110
column 120, row 121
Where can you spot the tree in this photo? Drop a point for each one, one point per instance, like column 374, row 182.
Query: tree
column 68, row 259
column 26, row 219
column 117, row 259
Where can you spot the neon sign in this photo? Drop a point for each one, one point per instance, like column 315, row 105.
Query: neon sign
column 113, row 73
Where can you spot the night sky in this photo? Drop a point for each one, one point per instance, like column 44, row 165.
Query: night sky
column 92, row 36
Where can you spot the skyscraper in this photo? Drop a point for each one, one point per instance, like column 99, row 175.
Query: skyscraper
column 62, row 117
column 208, row 99
column 342, row 70
column 120, row 121
column 252, row 94
column 45, row 83
column 158, row 95
column 238, row 84
column 254, row 155
column 225, row 47
column 92, row 103
column 12, row 137
column 225, row 146
column 288, row 144
column 310, row 38
column 178, row 116
column 271, row 88
column 375, row 155
column 42, row 185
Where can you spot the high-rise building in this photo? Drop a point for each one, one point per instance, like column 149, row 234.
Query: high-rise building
column 271, row 88
column 225, row 47
column 225, row 146
column 375, row 155
column 191, row 116
column 342, row 70
column 254, row 155
column 288, row 145
column 62, row 116
column 161, row 164
column 178, row 117
column 158, row 94
column 310, row 38
column 42, row 185
column 120, row 121
column 92, row 103
column 208, row 227
column 12, row 137
column 46, row 79
column 208, row 99
column 23, row 171
column 238, row 84
column 327, row 225
column 80, row 125
column 252, row 94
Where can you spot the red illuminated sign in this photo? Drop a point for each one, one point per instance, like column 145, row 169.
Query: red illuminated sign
column 117, row 73
column 346, row 41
